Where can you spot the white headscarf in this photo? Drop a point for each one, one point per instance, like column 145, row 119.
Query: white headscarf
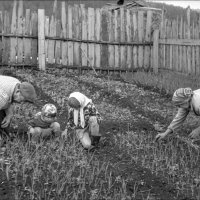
column 83, row 100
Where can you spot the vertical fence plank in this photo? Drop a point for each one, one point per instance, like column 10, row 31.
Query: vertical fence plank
column 80, row 36
column 155, row 50
column 197, row 49
column 64, row 33
column 84, row 51
column 20, row 31
column 8, row 30
column 167, row 46
column 129, row 35
column 58, row 42
column 140, row 38
column 34, row 42
column 91, row 35
column 76, row 33
column 184, row 50
column 13, row 41
column 176, row 47
column 122, row 39
column 6, row 41
column 70, row 34
column 116, row 38
column 111, row 53
column 27, row 41
column 51, row 45
column 41, row 39
column 1, row 31
column 162, row 32
column 193, row 50
column 175, row 56
column 104, row 37
column 55, row 3
column 135, row 38
column 188, row 37
column 46, row 34
column 164, row 46
column 180, row 48
column 97, row 37
column 171, row 46
column 147, row 38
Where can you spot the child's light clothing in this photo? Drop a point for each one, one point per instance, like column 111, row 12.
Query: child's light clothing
column 89, row 134
column 84, row 120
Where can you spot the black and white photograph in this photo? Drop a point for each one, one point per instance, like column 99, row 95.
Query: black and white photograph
column 99, row 100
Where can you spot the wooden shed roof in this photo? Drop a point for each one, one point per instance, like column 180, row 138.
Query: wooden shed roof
column 135, row 4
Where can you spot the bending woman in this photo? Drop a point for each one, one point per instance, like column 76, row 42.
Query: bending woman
column 186, row 100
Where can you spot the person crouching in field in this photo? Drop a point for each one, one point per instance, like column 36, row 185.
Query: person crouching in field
column 44, row 124
column 84, row 118
column 12, row 91
column 186, row 100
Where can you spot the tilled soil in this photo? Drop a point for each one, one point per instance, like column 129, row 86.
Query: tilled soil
column 124, row 108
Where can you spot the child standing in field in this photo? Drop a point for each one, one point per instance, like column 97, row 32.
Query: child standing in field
column 84, row 119
column 44, row 123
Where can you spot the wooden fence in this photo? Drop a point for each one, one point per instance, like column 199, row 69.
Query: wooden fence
column 109, row 39
column 119, row 39
column 179, row 45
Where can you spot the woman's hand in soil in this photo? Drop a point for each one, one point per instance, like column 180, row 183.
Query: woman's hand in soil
column 6, row 121
column 195, row 134
column 161, row 136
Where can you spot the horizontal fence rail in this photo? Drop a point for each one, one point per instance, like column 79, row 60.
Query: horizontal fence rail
column 77, row 40
column 180, row 42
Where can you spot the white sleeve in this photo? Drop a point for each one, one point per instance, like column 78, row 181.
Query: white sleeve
column 179, row 119
column 4, row 99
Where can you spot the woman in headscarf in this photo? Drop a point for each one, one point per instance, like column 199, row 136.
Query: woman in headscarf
column 85, row 119
column 186, row 100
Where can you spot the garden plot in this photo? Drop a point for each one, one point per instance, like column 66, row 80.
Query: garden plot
column 128, row 163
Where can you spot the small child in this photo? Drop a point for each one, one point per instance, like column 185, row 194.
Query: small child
column 84, row 118
column 44, row 123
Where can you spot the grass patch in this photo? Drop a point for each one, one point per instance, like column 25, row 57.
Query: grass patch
column 163, row 82
column 62, row 170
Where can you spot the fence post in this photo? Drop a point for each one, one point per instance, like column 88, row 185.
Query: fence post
column 41, row 39
column 155, row 50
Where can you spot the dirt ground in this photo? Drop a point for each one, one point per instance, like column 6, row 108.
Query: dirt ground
column 124, row 107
